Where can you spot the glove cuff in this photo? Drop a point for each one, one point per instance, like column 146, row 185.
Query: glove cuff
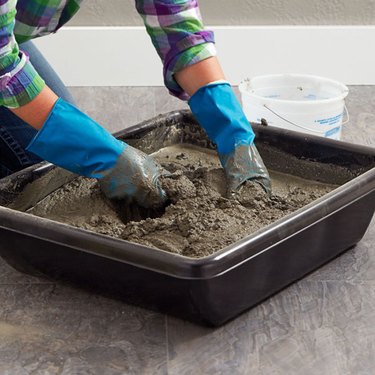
column 218, row 111
column 72, row 140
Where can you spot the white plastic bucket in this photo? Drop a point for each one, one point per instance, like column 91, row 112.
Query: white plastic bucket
column 298, row 102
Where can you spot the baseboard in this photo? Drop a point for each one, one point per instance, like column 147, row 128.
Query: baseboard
column 124, row 56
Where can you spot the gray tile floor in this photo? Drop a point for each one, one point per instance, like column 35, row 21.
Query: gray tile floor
column 324, row 324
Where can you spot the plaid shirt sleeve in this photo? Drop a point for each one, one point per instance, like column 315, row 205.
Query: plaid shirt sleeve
column 178, row 34
column 19, row 81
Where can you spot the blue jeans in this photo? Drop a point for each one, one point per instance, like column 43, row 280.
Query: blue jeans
column 15, row 134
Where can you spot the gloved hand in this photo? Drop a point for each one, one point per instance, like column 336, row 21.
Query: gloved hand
column 218, row 111
column 72, row 140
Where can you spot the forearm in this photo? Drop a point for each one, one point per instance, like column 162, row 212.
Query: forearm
column 191, row 78
column 177, row 32
column 200, row 74
column 36, row 112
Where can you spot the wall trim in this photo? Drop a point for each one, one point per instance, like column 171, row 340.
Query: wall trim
column 124, row 56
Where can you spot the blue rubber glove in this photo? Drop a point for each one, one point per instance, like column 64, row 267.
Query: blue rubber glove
column 72, row 140
column 218, row 111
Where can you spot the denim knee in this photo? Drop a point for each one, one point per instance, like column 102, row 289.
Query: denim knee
column 15, row 135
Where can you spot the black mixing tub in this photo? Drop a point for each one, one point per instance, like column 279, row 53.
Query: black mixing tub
column 216, row 288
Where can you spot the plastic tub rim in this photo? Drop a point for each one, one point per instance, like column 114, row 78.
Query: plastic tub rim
column 204, row 267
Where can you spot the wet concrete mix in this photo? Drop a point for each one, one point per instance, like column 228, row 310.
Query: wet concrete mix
column 199, row 219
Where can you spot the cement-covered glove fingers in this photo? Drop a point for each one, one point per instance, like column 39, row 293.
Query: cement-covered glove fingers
column 218, row 111
column 242, row 164
column 72, row 140
column 135, row 176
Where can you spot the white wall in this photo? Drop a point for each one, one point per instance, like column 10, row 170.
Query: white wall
column 244, row 51
column 241, row 12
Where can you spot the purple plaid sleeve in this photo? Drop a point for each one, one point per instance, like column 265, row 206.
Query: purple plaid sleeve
column 19, row 82
column 22, row 20
column 178, row 34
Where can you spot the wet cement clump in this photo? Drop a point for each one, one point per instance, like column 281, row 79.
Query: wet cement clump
column 199, row 220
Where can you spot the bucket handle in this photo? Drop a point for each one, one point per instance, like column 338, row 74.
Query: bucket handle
column 303, row 127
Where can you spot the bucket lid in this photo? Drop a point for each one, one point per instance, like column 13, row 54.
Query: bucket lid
column 249, row 87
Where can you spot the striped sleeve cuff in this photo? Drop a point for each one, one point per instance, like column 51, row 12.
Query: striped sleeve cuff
column 178, row 34
column 185, row 58
column 21, row 85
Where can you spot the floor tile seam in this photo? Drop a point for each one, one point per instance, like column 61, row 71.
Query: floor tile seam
column 167, row 341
